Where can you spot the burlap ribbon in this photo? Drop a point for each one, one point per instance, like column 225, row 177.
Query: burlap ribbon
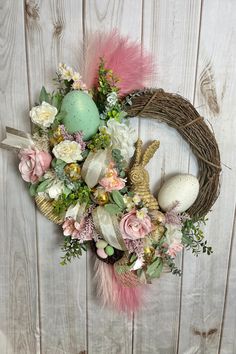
column 107, row 226
column 16, row 140
column 95, row 166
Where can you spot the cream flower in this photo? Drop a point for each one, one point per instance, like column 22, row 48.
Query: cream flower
column 123, row 138
column 68, row 151
column 43, row 115
column 55, row 189
column 66, row 72
column 136, row 199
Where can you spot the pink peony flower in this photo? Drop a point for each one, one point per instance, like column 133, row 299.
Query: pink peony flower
column 133, row 228
column 33, row 164
column 83, row 230
column 111, row 181
column 174, row 248
column 71, row 228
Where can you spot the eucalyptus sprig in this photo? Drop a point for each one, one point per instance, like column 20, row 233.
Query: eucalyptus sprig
column 72, row 249
column 193, row 236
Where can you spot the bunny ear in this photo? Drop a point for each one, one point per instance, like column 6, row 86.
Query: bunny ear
column 138, row 152
column 150, row 151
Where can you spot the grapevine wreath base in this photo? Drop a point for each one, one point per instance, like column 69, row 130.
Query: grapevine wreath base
column 86, row 169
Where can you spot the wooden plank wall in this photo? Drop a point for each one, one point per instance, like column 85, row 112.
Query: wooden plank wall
column 47, row 309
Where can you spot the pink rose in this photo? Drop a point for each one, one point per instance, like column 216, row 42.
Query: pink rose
column 133, row 228
column 111, row 181
column 174, row 248
column 33, row 164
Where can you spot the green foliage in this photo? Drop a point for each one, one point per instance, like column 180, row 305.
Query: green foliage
column 44, row 96
column 117, row 205
column 112, row 209
column 118, row 199
column 155, row 268
column 72, row 249
column 120, row 163
column 107, row 83
column 33, row 189
column 101, row 140
column 193, row 237
column 42, row 186
column 68, row 198
column 57, row 100
column 171, row 264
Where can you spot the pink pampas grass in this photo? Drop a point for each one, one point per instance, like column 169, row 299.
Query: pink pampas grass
column 121, row 55
column 113, row 293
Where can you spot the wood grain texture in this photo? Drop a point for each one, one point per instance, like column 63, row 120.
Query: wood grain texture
column 109, row 332
column 170, row 32
column 54, row 30
column 204, row 281
column 19, row 321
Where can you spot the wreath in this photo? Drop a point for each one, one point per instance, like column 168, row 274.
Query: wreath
column 86, row 169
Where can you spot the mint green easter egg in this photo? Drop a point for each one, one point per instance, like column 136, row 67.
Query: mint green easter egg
column 109, row 250
column 81, row 114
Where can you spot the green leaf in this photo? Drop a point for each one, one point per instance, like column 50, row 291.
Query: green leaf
column 133, row 258
column 66, row 191
column 44, row 96
column 112, row 209
column 56, row 100
column 60, row 116
column 118, row 199
column 43, row 185
column 32, row 189
column 57, row 163
column 154, row 270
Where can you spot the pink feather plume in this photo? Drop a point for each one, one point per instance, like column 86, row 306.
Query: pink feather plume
column 113, row 293
column 120, row 54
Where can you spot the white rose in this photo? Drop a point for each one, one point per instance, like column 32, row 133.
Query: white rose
column 43, row 115
column 68, row 151
column 173, row 234
column 55, row 189
column 112, row 98
column 123, row 137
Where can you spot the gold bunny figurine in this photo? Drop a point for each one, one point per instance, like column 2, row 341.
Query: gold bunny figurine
column 139, row 177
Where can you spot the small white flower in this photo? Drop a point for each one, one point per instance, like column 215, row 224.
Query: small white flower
column 128, row 202
column 66, row 72
column 43, row 115
column 112, row 99
column 76, row 76
column 55, row 189
column 68, row 151
column 79, row 85
column 141, row 213
column 123, row 138
column 136, row 199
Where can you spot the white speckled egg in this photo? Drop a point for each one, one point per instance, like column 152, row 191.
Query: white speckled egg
column 182, row 188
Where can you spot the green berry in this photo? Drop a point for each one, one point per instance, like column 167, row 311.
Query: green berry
column 109, row 250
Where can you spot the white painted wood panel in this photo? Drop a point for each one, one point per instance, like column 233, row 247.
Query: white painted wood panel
column 54, row 30
column 204, row 280
column 19, row 321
